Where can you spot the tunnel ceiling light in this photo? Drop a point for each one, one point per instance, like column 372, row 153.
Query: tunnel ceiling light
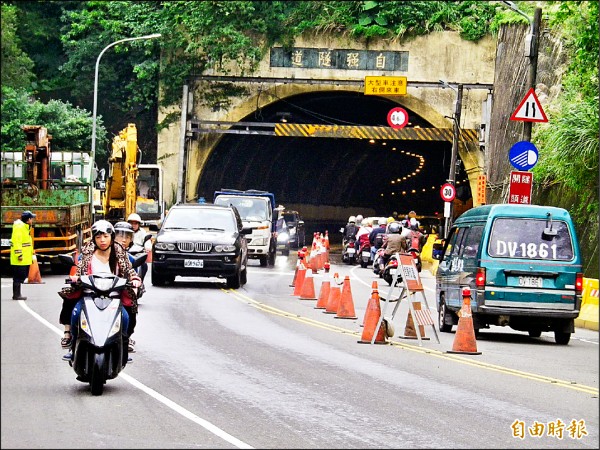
column 371, row 141
column 283, row 116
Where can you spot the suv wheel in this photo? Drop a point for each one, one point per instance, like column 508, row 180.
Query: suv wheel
column 263, row 261
column 235, row 281
column 157, row 280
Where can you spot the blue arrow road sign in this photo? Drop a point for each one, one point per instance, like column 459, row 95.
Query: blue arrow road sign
column 523, row 155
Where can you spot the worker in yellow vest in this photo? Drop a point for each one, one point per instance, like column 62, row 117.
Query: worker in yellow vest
column 21, row 251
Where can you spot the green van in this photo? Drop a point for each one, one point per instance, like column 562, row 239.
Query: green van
column 523, row 265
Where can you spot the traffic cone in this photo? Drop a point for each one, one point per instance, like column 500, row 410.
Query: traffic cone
column 34, row 276
column 346, row 306
column 335, row 294
column 464, row 340
column 326, row 242
column 73, row 270
column 372, row 316
column 308, row 287
column 299, row 279
column 323, row 294
column 409, row 330
column 298, row 262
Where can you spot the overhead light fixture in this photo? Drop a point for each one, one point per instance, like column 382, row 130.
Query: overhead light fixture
column 283, row 117
column 371, row 141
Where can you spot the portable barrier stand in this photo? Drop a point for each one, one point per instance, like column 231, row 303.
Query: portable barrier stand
column 411, row 284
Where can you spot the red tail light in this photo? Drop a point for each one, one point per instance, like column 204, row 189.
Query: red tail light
column 480, row 277
column 351, row 244
column 578, row 283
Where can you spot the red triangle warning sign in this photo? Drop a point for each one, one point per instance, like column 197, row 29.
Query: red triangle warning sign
column 530, row 109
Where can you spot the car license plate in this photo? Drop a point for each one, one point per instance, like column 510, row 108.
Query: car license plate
column 530, row 281
column 193, row 263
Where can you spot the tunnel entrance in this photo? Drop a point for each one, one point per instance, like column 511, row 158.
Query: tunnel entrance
column 385, row 175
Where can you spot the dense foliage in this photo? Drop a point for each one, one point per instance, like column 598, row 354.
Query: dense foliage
column 570, row 142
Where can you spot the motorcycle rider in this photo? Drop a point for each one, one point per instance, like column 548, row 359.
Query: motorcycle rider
column 415, row 238
column 124, row 236
column 376, row 236
column 350, row 229
column 101, row 254
column 395, row 242
column 138, row 239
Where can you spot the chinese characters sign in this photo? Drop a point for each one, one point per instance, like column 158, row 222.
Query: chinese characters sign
column 314, row 58
column 385, row 86
column 520, row 188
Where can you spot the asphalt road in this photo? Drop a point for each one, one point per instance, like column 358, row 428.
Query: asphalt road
column 259, row 368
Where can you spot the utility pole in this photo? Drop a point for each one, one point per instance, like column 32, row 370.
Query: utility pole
column 454, row 155
column 533, row 58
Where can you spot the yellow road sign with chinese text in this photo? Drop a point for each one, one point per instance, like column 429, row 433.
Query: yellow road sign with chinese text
column 385, row 85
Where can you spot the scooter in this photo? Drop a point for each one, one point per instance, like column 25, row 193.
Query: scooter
column 135, row 250
column 100, row 353
column 349, row 251
column 378, row 262
column 364, row 252
column 391, row 268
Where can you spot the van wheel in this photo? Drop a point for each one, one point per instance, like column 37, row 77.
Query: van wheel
column 562, row 338
column 444, row 316
column 535, row 333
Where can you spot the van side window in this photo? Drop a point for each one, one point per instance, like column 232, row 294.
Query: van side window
column 454, row 244
column 471, row 242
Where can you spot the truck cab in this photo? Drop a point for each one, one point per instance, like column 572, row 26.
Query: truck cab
column 256, row 208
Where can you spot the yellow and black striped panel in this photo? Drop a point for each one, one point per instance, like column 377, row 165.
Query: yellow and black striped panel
column 360, row 132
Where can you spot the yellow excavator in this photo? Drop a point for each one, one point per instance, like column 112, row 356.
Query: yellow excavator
column 130, row 187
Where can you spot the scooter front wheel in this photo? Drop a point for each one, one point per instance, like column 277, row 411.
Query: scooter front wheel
column 97, row 377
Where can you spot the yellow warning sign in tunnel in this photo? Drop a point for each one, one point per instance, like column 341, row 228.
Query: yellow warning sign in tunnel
column 360, row 132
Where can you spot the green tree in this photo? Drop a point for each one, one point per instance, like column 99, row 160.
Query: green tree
column 16, row 65
column 70, row 127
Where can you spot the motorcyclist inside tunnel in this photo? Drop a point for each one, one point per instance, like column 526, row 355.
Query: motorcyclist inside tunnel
column 101, row 254
column 395, row 242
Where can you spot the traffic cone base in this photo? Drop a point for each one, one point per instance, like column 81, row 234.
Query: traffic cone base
column 34, row 276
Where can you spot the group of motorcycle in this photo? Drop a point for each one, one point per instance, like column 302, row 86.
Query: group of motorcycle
column 354, row 251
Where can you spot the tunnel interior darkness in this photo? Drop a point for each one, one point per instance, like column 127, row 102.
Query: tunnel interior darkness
column 389, row 175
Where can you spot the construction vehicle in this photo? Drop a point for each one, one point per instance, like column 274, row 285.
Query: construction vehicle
column 56, row 187
column 130, row 187
column 257, row 210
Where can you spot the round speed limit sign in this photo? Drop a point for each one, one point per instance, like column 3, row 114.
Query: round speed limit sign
column 397, row 118
column 448, row 192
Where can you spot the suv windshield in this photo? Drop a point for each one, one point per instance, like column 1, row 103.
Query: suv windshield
column 200, row 219
column 525, row 238
column 290, row 219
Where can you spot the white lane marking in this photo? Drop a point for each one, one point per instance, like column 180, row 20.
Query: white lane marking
column 151, row 392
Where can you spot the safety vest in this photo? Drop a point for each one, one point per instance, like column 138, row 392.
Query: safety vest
column 21, row 243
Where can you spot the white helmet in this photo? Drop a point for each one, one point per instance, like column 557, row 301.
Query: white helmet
column 133, row 217
column 359, row 218
column 352, row 219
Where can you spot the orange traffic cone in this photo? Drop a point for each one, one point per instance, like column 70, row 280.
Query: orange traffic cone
column 308, row 287
column 298, row 262
column 372, row 316
column 34, row 276
column 346, row 307
column 73, row 270
column 409, row 330
column 464, row 340
column 335, row 294
column 323, row 294
column 299, row 279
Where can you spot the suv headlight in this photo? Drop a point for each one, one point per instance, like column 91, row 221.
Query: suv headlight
column 164, row 246
column 225, row 248
column 283, row 237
